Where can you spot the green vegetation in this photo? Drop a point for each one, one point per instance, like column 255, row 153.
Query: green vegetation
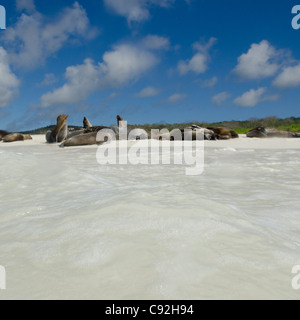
column 241, row 127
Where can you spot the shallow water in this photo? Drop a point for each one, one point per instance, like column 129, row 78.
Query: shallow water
column 72, row 229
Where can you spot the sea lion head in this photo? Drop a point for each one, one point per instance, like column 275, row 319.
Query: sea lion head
column 86, row 123
column 120, row 121
column 61, row 120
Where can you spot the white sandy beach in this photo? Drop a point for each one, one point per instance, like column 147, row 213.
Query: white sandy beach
column 73, row 229
column 242, row 143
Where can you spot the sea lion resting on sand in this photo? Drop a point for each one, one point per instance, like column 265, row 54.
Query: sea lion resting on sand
column 224, row 134
column 197, row 132
column 13, row 137
column 60, row 132
column 261, row 132
column 84, row 137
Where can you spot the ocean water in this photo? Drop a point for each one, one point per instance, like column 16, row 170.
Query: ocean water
column 73, row 229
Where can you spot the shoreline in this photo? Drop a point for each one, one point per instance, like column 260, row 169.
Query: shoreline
column 240, row 143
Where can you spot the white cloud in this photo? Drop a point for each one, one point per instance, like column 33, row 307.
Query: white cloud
column 32, row 39
column 199, row 62
column 49, row 78
column 203, row 46
column 135, row 10
column 82, row 80
column 124, row 64
column 209, row 83
column 254, row 97
column 148, row 92
column 289, row 78
column 220, row 98
column 177, row 97
column 259, row 62
column 9, row 83
column 154, row 42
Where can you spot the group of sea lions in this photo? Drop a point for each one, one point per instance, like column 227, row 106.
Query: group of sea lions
column 12, row 137
column 88, row 134
column 261, row 132
column 85, row 136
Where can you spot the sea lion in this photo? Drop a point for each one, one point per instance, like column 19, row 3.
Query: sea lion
column 205, row 134
column 261, row 132
column 12, row 137
column 88, row 127
column 3, row 134
column 86, row 138
column 224, row 134
column 86, row 123
column 121, row 122
column 60, row 133
column 83, row 137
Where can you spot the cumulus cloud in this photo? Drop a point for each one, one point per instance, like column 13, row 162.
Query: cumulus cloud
column 148, row 92
column 9, row 83
column 49, row 78
column 220, row 98
column 33, row 39
column 135, row 10
column 199, row 62
column 253, row 97
column 81, row 81
column 124, row 64
column 261, row 61
column 288, row 78
column 155, row 42
column 209, row 83
column 176, row 97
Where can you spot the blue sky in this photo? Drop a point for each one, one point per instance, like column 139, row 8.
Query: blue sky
column 150, row 61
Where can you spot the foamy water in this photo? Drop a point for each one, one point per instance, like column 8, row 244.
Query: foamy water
column 72, row 229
